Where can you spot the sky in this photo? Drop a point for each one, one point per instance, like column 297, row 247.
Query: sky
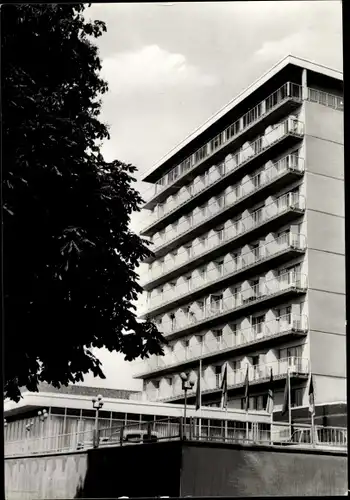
column 170, row 66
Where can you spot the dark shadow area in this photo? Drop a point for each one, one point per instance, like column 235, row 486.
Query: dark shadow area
column 134, row 470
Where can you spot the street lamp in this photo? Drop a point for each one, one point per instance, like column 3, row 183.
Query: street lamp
column 43, row 415
column 187, row 384
column 97, row 403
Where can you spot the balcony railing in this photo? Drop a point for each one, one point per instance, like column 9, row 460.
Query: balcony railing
column 291, row 126
column 236, row 129
column 287, row 92
column 222, row 269
column 269, row 211
column 204, row 247
column 195, row 315
column 237, row 339
column 172, row 428
column 210, row 383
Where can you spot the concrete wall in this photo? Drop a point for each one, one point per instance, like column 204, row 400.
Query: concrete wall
column 55, row 476
column 226, row 471
column 176, row 469
column 326, row 249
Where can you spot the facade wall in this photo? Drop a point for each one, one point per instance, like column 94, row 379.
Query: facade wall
column 319, row 191
column 326, row 249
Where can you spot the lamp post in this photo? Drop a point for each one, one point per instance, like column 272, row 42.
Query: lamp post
column 97, row 403
column 42, row 417
column 186, row 385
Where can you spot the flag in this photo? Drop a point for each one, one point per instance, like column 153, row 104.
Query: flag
column 311, row 396
column 224, row 389
column 269, row 402
column 246, row 390
column 285, row 406
column 198, row 391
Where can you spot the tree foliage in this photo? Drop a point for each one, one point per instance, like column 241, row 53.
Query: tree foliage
column 70, row 257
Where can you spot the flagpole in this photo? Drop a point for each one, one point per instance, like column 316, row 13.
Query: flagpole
column 289, row 403
column 200, row 406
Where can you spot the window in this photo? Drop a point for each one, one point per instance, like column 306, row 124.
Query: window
column 235, row 258
column 218, row 335
column 255, row 360
column 200, row 154
column 258, row 324
column 236, row 224
column 156, row 384
column 257, row 215
column 200, row 339
column 255, row 248
column 291, row 353
column 204, row 210
column 257, row 145
column 218, row 370
column 256, row 179
column 175, row 226
column 285, row 314
column 220, row 267
column 162, row 235
column 173, row 174
column 220, row 200
column 283, row 237
column 203, row 273
column 216, row 142
column 296, row 396
column 170, row 380
column 172, row 321
column 203, row 240
column 160, row 210
column 289, row 275
column 233, row 130
column 216, row 303
column 188, row 282
column 252, row 115
column 185, row 165
column 172, row 286
column 221, row 169
column 161, row 292
column 174, row 254
column 201, row 306
column 189, row 219
column 187, row 343
column 188, row 249
column 205, row 178
column 220, row 234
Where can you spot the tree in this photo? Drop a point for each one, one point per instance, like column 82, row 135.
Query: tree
column 70, row 258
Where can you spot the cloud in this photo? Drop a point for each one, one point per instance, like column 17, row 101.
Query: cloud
column 308, row 44
column 150, row 69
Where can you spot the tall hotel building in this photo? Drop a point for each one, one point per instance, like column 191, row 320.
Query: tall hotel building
column 246, row 217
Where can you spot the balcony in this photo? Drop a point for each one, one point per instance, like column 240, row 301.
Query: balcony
column 262, row 335
column 282, row 102
column 221, row 216
column 263, row 184
column 245, row 161
column 242, row 267
column 255, row 225
column 279, row 104
column 213, row 310
column 260, row 374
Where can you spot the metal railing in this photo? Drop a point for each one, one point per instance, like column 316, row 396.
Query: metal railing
column 204, row 246
column 197, row 429
column 216, row 305
column 221, row 269
column 233, row 196
column 235, row 378
column 289, row 126
column 287, row 91
column 253, row 334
